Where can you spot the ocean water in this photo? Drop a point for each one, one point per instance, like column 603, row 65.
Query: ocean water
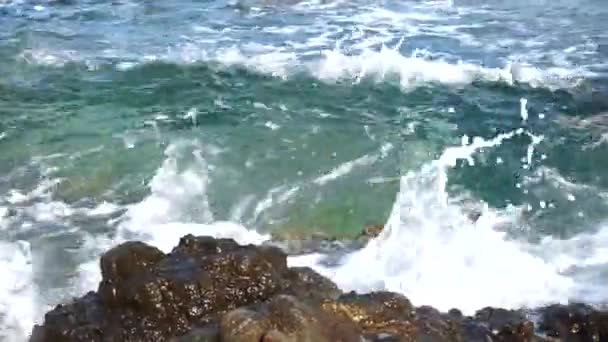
column 149, row 120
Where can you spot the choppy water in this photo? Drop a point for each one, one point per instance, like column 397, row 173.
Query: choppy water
column 152, row 119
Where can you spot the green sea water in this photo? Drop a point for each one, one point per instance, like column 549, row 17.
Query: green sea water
column 302, row 118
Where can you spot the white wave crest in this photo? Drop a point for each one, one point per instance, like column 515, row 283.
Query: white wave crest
column 178, row 204
column 431, row 250
column 388, row 63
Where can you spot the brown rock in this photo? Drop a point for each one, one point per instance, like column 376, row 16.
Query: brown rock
column 209, row 333
column 304, row 282
column 433, row 326
column 378, row 313
column 128, row 259
column 146, row 295
column 214, row 290
column 507, row 325
column 299, row 322
column 287, row 319
column 371, row 231
column 243, row 325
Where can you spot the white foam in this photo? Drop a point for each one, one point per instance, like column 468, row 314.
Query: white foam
column 421, row 67
column 88, row 273
column 192, row 114
column 178, row 190
column 555, row 179
column 361, row 30
column 409, row 71
column 431, row 251
column 54, row 58
column 603, row 139
column 530, row 152
column 238, row 210
column 49, row 211
column 275, row 195
column 178, row 204
column 417, row 69
column 42, row 189
column 103, row 209
column 18, row 309
column 275, row 62
column 345, row 168
column 273, row 126
column 260, row 105
column 580, row 257
column 523, row 109
column 166, row 236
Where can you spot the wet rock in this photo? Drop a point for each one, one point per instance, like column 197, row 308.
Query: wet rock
column 378, row 314
column 574, row 322
column 296, row 321
column 128, row 260
column 146, row 295
column 507, row 325
column 488, row 324
column 214, row 290
column 243, row 325
column 433, row 326
column 285, row 318
column 83, row 320
column 495, row 318
column 520, row 332
column 209, row 333
column 371, row 231
column 304, row 282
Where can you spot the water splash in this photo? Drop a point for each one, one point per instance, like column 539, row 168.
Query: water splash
column 18, row 307
column 432, row 251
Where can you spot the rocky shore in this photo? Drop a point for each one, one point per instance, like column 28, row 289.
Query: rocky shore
column 210, row 289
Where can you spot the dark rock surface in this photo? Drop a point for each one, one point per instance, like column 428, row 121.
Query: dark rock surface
column 575, row 322
column 216, row 290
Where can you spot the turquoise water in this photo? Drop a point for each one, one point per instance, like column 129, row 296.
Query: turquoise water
column 147, row 120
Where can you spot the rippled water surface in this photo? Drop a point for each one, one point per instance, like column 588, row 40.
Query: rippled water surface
column 152, row 119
